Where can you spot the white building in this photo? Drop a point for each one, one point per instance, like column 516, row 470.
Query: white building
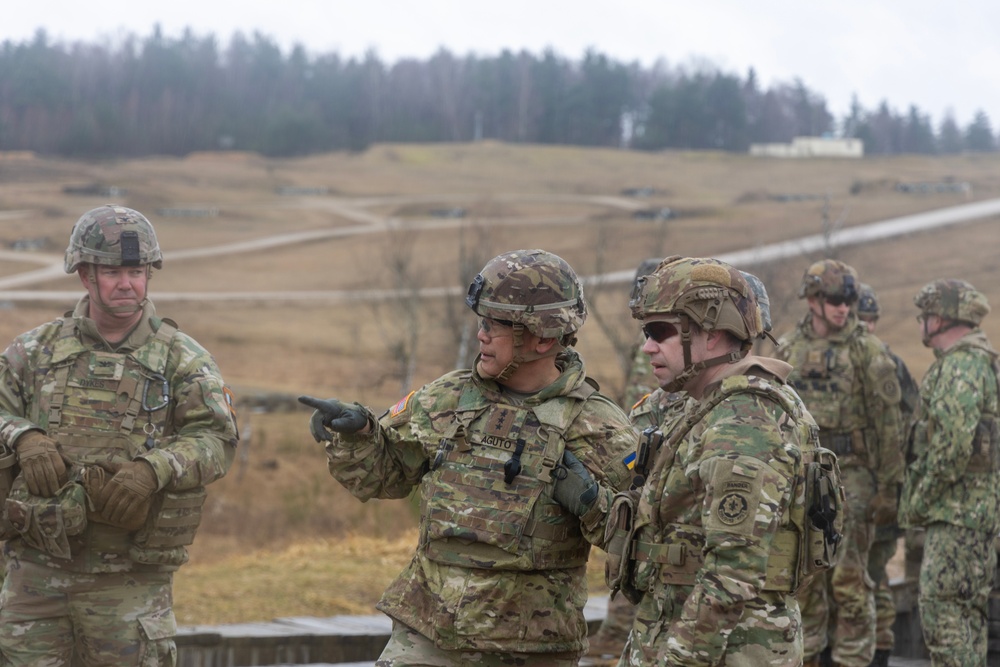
column 811, row 147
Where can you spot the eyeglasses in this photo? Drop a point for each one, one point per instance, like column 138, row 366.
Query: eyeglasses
column 491, row 326
column 840, row 300
column 659, row 331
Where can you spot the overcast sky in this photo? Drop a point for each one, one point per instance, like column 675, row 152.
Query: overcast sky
column 942, row 56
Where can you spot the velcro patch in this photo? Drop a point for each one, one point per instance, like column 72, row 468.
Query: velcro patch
column 401, row 406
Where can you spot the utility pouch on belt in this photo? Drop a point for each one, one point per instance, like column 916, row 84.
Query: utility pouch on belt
column 8, row 471
column 47, row 524
column 618, row 533
column 825, row 513
column 171, row 526
column 985, row 443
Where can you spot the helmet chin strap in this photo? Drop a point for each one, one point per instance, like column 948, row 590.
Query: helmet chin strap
column 116, row 310
column 692, row 370
column 519, row 355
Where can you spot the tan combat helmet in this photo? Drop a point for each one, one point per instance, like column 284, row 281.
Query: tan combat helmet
column 113, row 235
column 706, row 291
column 830, row 278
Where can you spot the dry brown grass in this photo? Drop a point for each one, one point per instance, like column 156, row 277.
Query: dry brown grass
column 278, row 529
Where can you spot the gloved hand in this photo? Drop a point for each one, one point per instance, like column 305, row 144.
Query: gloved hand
column 334, row 415
column 575, row 489
column 126, row 497
column 43, row 466
column 884, row 507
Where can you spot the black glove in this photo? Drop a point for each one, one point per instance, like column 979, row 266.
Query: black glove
column 576, row 489
column 334, row 415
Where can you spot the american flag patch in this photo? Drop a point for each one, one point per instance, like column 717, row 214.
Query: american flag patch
column 401, row 406
column 629, row 461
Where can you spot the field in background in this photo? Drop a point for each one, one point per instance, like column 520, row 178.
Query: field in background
column 278, row 522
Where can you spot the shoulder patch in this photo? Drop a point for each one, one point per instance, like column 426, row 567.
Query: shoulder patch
column 401, row 406
column 639, row 402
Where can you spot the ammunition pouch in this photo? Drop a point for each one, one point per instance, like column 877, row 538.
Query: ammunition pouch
column 47, row 524
column 619, row 532
column 985, row 443
column 8, row 471
column 825, row 514
column 170, row 527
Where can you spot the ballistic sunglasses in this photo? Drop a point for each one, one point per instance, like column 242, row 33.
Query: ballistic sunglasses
column 659, row 331
column 840, row 300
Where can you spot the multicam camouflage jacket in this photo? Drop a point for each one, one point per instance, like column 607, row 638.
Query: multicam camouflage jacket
column 953, row 453
column 500, row 564
column 849, row 383
column 158, row 396
column 712, row 513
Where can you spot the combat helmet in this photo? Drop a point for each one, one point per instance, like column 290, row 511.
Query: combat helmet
column 763, row 302
column 867, row 307
column 533, row 289
column 953, row 300
column 113, row 235
column 830, row 278
column 710, row 293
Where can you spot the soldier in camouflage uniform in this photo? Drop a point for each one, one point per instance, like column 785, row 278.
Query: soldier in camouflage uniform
column 710, row 558
column 118, row 421
column 500, row 455
column 640, row 386
column 847, row 379
column 952, row 485
column 887, row 536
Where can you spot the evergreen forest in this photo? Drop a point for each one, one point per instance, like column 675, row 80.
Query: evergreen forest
column 159, row 95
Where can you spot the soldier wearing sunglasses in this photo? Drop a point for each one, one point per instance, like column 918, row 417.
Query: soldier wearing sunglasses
column 848, row 381
column 711, row 554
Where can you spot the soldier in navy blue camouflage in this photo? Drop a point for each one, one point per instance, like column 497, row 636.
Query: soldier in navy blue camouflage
column 848, row 381
column 952, row 484
column 712, row 555
column 515, row 462
column 117, row 422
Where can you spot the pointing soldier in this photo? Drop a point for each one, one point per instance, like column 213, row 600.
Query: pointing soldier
column 117, row 421
column 500, row 455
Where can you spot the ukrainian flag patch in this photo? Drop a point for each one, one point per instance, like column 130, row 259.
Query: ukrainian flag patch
column 629, row 461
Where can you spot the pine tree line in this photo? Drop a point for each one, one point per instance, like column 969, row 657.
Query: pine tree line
column 172, row 96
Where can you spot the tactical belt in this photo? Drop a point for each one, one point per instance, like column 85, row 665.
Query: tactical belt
column 681, row 560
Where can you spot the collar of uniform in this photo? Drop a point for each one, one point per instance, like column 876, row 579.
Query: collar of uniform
column 766, row 367
column 135, row 339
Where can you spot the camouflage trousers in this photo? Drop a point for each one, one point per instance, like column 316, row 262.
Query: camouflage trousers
column 768, row 634
column 838, row 609
column 881, row 553
column 611, row 636
column 409, row 648
column 956, row 575
column 57, row 618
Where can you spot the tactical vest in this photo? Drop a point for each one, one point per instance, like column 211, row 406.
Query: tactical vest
column 112, row 406
column 827, row 379
column 487, row 498
column 985, row 457
column 646, row 553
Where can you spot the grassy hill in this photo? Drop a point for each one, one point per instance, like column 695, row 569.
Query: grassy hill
column 278, row 530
